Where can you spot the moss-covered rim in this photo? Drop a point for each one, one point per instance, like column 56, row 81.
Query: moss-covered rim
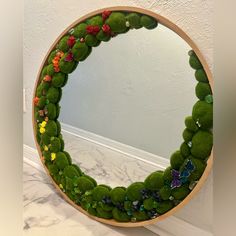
column 161, row 190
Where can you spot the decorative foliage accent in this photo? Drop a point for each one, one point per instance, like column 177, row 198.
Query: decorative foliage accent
column 161, row 190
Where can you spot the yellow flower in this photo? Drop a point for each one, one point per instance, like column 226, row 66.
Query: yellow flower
column 42, row 130
column 60, row 185
column 45, row 148
column 53, row 156
column 43, row 124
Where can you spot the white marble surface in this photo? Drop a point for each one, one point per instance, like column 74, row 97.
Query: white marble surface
column 46, row 213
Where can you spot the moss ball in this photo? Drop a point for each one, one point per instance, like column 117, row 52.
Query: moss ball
column 106, row 207
column 134, row 20
column 46, row 139
column 154, row 181
column 58, row 79
column 202, row 144
column 201, row 75
column 42, row 102
column 91, row 179
column 47, row 156
column 165, row 192
column 106, row 186
column 50, row 70
column 202, row 90
column 164, row 206
column 140, row 215
column 70, row 171
column 203, row 113
column 96, row 20
column 51, row 56
column 44, row 72
column 167, row 175
column 148, row 22
column 101, row 36
column 91, row 40
column 80, row 30
column 117, row 195
column 117, row 22
column 51, row 128
column 61, row 160
column 67, row 67
column 191, row 124
column 100, row 192
column 53, row 169
column 194, row 61
column 187, row 135
column 63, row 45
column 92, row 211
column 53, row 95
column 128, row 205
column 84, row 184
column 181, row 192
column 176, row 160
column 76, row 167
column 120, row 215
column 133, row 192
column 103, row 214
column 149, row 203
column 80, row 50
column 42, row 89
column 86, row 55
column 55, row 144
column 51, row 111
column 185, row 149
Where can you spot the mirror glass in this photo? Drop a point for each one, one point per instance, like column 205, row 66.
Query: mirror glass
column 134, row 90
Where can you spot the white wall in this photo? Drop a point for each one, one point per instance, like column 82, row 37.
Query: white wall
column 45, row 20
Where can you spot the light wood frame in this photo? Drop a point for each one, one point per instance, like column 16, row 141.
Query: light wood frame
column 162, row 20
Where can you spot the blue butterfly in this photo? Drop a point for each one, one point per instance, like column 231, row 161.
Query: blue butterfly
column 186, row 172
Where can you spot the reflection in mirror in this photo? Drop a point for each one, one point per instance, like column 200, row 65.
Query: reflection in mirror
column 135, row 89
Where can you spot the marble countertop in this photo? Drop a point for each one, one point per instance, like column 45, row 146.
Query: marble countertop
column 46, row 213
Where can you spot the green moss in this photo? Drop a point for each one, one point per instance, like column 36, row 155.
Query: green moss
column 184, row 149
column 53, row 95
column 63, row 45
column 199, row 167
column 85, row 184
column 202, row 144
column 38, row 137
column 42, row 89
column 42, row 102
column 80, row 30
column 104, row 214
column 62, row 143
column 47, row 155
column 154, row 181
column 58, row 79
column 58, row 108
column 50, row 70
column 149, row 203
column 167, row 175
column 53, row 169
column 38, row 117
column 194, row 61
column 164, row 206
column 91, row 179
column 120, row 215
column 191, row 124
column 51, row 111
column 76, row 167
column 134, row 20
column 140, row 215
column 117, row 195
column 100, row 192
column 70, row 171
column 92, row 211
column 106, row 186
column 46, row 138
column 51, row 56
column 96, row 20
column 61, row 160
column 133, row 192
column 148, row 22
column 117, row 22
column 44, row 72
column 202, row 90
column 128, row 205
column 91, row 40
column 101, row 36
column 55, row 144
column 176, row 160
column 203, row 113
column 58, row 127
column 51, row 128
column 165, row 192
column 187, row 135
column 69, row 183
column 181, row 192
column 86, row 55
column 80, row 50
column 67, row 67
column 201, row 76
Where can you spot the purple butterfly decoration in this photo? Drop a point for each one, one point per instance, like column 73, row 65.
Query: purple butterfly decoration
column 179, row 178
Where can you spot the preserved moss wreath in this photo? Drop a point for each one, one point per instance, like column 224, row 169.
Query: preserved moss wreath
column 162, row 192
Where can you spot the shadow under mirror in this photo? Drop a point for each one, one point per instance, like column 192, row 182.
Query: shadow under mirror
column 129, row 98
